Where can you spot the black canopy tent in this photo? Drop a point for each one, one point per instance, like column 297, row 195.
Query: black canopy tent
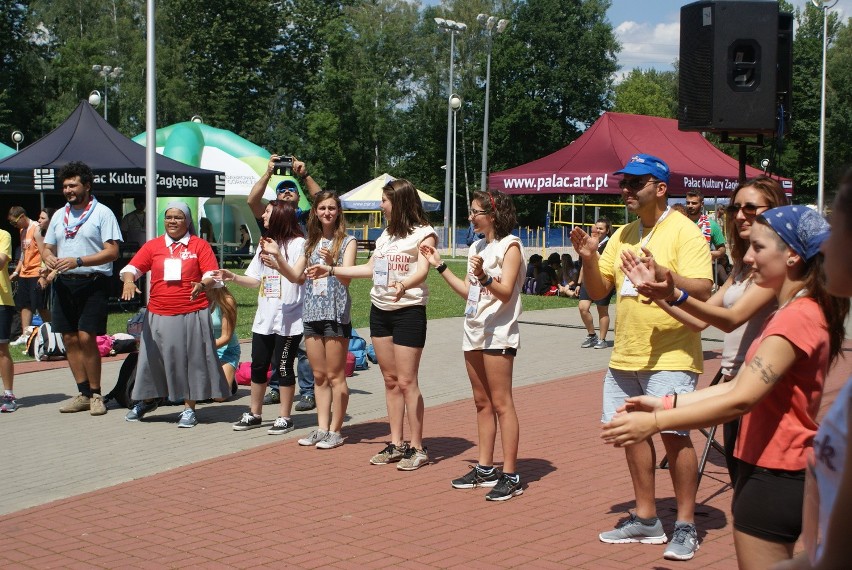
column 117, row 162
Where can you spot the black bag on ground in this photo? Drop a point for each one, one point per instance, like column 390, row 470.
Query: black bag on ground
column 126, row 379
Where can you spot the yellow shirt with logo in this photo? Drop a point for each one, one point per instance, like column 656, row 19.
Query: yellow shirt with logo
column 646, row 337
column 5, row 285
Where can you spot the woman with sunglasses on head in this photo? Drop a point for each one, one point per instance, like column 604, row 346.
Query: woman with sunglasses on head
column 492, row 287
column 777, row 391
column 177, row 353
column 398, row 315
column 277, row 328
column 326, row 314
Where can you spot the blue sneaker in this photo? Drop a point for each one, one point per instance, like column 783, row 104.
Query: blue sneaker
column 139, row 409
column 187, row 418
column 684, row 542
column 8, row 404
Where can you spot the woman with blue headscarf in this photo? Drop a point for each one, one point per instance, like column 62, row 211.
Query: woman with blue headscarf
column 177, row 354
column 777, row 391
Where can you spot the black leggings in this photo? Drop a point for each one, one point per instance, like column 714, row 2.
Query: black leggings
column 273, row 348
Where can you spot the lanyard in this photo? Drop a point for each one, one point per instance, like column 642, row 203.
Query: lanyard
column 642, row 228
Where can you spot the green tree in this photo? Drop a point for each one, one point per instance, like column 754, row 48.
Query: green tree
column 648, row 92
column 839, row 107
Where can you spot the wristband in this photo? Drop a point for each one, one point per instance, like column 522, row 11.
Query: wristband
column 441, row 268
column 668, row 402
column 680, row 300
column 487, row 282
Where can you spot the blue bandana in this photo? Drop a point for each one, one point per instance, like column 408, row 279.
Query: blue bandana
column 802, row 229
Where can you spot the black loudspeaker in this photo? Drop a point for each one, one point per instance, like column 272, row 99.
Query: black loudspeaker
column 735, row 67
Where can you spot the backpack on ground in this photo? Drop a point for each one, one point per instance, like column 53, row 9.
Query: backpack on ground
column 358, row 347
column 44, row 344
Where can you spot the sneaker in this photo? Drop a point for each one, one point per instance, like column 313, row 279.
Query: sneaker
column 601, row 344
column 272, row 397
column 305, row 403
column 138, row 411
column 684, row 542
column 187, row 418
column 248, row 421
column 20, row 340
column 78, row 403
column 590, row 341
column 8, row 404
column 389, row 454
column 314, row 437
column 633, row 530
column 330, row 441
column 477, row 478
column 506, row 488
column 281, row 425
column 96, row 405
column 412, row 459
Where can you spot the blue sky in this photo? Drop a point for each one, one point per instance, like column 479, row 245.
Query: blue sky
column 649, row 30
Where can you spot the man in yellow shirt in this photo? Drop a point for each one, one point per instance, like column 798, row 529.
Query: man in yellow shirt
column 653, row 353
column 7, row 310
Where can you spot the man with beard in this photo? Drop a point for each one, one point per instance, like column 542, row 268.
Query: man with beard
column 81, row 244
column 711, row 231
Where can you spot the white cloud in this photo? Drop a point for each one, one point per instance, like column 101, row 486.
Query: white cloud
column 646, row 45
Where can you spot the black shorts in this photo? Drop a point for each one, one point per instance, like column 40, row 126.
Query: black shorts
column 6, row 314
column 80, row 304
column 407, row 326
column 584, row 296
column 328, row 328
column 768, row 502
column 29, row 294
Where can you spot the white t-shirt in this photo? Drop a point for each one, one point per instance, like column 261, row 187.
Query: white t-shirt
column 279, row 302
column 401, row 255
column 495, row 324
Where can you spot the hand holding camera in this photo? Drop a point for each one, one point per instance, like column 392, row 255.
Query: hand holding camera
column 282, row 165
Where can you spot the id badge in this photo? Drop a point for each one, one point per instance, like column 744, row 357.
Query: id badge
column 627, row 288
column 171, row 270
column 472, row 300
column 272, row 286
column 380, row 272
column 319, row 287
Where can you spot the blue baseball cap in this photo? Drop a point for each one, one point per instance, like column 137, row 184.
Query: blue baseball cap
column 287, row 185
column 642, row 164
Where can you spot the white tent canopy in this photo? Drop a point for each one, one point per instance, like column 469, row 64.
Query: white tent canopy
column 368, row 196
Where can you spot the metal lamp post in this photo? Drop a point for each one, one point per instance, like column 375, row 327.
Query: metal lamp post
column 455, row 105
column 451, row 27
column 824, row 6
column 489, row 22
column 17, row 138
column 107, row 72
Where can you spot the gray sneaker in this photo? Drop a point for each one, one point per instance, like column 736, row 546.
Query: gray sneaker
column 187, row 418
column 389, row 454
column 313, row 438
column 8, row 404
column 272, row 397
column 632, row 530
column 330, row 441
column 281, row 426
column 306, row 403
column 590, row 341
column 601, row 344
column 684, row 542
column 412, row 459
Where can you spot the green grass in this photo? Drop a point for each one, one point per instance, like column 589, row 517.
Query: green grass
column 443, row 303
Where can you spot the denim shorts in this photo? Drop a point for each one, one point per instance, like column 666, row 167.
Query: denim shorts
column 621, row 384
column 328, row 328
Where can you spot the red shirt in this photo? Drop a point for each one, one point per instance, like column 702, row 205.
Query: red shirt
column 778, row 432
column 172, row 297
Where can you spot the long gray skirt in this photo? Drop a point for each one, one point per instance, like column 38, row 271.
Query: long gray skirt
column 177, row 359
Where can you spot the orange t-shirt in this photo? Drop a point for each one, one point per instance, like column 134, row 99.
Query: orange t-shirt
column 778, row 432
column 31, row 258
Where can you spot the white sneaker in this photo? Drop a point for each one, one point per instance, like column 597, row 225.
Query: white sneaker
column 20, row 340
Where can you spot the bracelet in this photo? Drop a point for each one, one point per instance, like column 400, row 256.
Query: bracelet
column 400, row 283
column 482, row 278
column 680, row 300
column 668, row 402
column 674, row 405
column 487, row 282
column 441, row 268
column 656, row 423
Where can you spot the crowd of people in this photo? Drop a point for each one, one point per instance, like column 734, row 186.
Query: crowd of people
column 782, row 306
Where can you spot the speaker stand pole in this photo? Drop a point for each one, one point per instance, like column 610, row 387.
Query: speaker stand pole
column 743, row 156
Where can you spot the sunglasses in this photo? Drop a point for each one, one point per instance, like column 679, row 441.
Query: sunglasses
column 14, row 221
column 286, row 190
column 747, row 209
column 473, row 212
column 635, row 184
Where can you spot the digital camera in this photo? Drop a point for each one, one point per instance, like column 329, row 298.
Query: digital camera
column 283, row 166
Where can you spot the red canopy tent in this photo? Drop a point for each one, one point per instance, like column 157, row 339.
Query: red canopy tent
column 586, row 165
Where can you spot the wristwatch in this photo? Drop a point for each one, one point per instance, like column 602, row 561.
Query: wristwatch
column 79, row 262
